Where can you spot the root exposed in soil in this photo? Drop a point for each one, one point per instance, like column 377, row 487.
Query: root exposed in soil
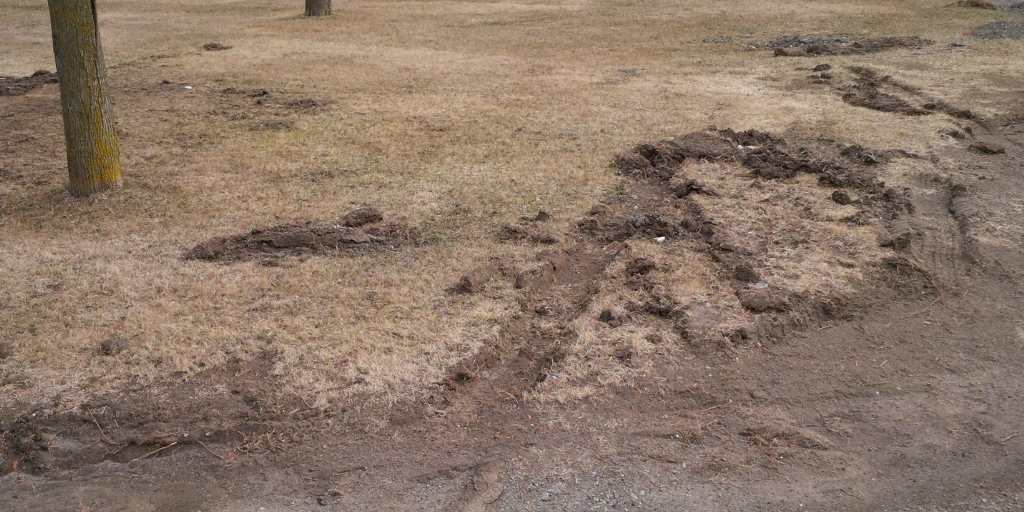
column 302, row 237
column 11, row 86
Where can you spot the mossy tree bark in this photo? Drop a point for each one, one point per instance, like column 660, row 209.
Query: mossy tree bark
column 94, row 158
column 318, row 8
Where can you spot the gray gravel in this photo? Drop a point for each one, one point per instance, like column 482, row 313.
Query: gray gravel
column 1000, row 30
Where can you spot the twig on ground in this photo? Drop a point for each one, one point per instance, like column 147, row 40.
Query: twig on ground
column 105, row 438
column 215, row 454
column 154, row 452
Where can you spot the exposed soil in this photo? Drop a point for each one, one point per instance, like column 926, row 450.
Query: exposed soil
column 896, row 395
column 975, row 4
column 304, row 237
column 797, row 47
column 884, row 93
column 903, row 395
column 12, row 86
column 215, row 47
column 264, row 110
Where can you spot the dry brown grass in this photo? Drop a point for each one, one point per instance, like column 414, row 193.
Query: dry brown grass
column 452, row 116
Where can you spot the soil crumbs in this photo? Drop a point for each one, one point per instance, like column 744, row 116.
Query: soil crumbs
column 12, row 86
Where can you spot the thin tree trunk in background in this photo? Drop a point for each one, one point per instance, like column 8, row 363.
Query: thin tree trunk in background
column 94, row 158
column 318, row 7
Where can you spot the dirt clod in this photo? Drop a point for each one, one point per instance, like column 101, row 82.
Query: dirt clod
column 811, row 47
column 976, row 4
column 362, row 216
column 476, row 279
column 11, row 86
column 745, row 272
column 296, row 238
column 542, row 216
column 114, row 346
column 841, row 197
column 687, row 186
column 900, row 242
column 763, row 300
column 987, row 148
column 640, row 266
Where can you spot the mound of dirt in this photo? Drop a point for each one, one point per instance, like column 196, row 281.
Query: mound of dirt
column 11, row 86
column 794, row 41
column 849, row 47
column 304, row 237
column 1000, row 30
column 661, row 205
column 767, row 156
column 974, row 4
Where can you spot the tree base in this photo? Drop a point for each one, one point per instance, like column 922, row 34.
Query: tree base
column 318, row 8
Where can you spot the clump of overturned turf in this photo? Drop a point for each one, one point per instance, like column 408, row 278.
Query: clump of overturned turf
column 848, row 47
column 306, row 236
column 11, row 86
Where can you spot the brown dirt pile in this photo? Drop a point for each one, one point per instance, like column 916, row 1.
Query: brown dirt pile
column 974, row 4
column 303, row 237
column 769, row 157
column 657, row 207
column 854, row 47
column 11, row 86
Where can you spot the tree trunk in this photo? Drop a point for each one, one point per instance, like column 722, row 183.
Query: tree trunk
column 94, row 158
column 318, row 7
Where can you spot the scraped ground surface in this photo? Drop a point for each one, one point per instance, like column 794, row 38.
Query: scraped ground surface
column 759, row 283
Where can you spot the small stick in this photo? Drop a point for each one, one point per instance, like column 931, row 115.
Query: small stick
column 154, row 452
column 1011, row 436
column 105, row 438
column 209, row 450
